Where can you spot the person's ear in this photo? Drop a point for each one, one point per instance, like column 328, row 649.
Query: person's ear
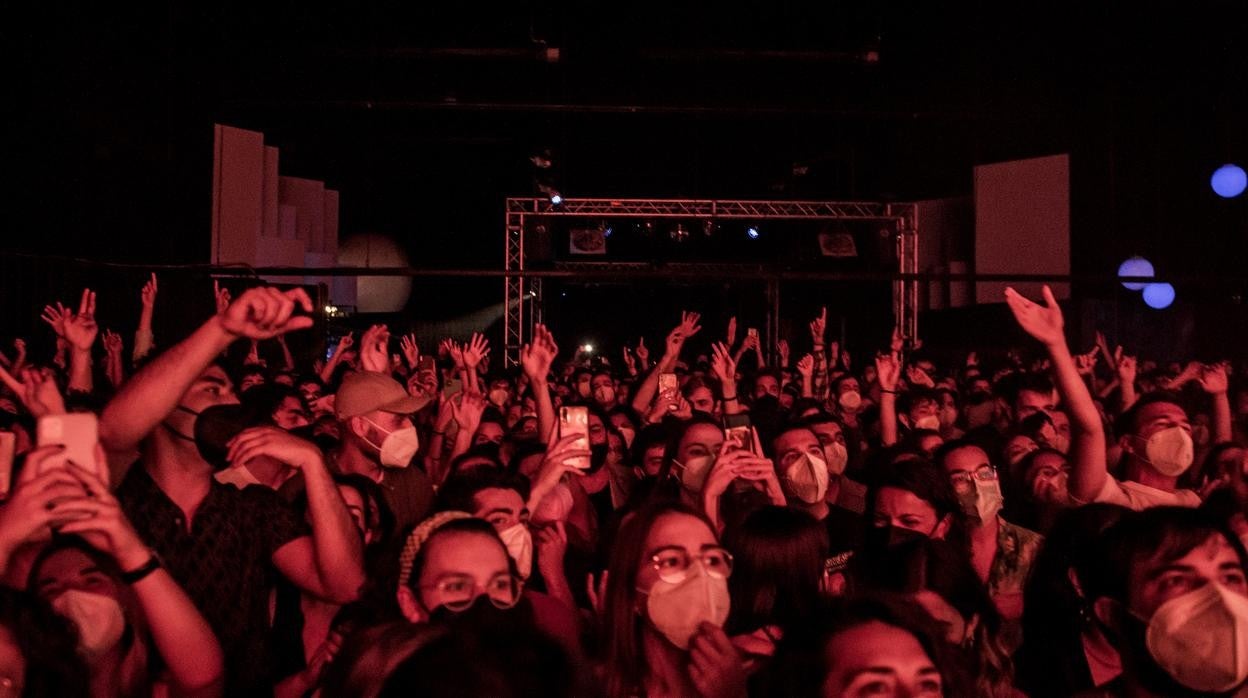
column 1107, row 611
column 942, row 527
column 410, row 606
column 1124, row 444
column 358, row 426
column 971, row 626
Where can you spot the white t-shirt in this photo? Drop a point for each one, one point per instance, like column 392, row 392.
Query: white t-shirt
column 1138, row 497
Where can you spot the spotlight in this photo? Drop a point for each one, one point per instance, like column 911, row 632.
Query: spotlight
column 752, row 232
column 680, row 233
column 1158, row 296
column 606, row 229
column 1229, row 181
column 1135, row 266
column 587, row 348
column 556, row 198
column 708, row 227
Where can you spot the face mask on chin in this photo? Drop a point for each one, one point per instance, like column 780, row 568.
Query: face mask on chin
column 99, row 618
column 930, row 422
column 983, row 502
column 519, row 542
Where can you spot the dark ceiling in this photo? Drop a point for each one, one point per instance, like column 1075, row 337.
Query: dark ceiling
column 424, row 115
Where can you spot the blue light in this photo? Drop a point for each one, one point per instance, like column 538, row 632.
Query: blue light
column 606, row 232
column 1229, row 181
column 1158, row 296
column 752, row 232
column 1135, row 266
column 556, row 199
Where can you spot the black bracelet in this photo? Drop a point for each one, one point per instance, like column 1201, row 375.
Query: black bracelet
column 141, row 572
column 888, row 392
column 730, row 399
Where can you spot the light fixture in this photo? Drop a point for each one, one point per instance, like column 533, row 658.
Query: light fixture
column 1158, row 296
column 752, row 232
column 1229, row 181
column 1135, row 266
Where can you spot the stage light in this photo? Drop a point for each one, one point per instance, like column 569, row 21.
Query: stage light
column 556, row 198
column 1229, row 181
column 679, row 233
column 1158, row 296
column 607, row 230
column 1135, row 266
column 708, row 228
column 752, row 232
column 587, row 348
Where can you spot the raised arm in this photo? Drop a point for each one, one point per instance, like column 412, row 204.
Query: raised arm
column 144, row 338
column 806, row 369
column 1087, row 448
column 888, row 373
column 687, row 328
column 725, row 369
column 153, row 392
column 1215, row 381
column 818, row 351
column 536, row 359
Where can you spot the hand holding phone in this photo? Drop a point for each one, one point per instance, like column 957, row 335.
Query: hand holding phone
column 669, row 389
column 78, row 433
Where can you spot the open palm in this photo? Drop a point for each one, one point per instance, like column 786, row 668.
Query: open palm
column 1044, row 322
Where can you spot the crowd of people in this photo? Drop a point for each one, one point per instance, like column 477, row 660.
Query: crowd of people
column 693, row 521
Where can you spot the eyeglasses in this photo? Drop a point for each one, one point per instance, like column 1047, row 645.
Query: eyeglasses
column 673, row 564
column 965, row 480
column 458, row 591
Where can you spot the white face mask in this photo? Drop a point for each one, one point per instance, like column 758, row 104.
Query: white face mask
column 519, row 542
column 99, row 618
column 838, row 457
column 930, row 421
column 628, row 434
column 693, row 472
column 807, row 478
column 850, row 400
column 1201, row 638
column 604, row 395
column 498, row 397
column 676, row 610
column 399, row 446
column 1169, row 451
column 985, row 502
column 238, row 476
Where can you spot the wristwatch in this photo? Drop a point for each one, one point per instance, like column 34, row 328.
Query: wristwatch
column 139, row 573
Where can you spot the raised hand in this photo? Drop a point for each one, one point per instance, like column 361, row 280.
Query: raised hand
column 689, row 323
column 148, row 295
column 1042, row 322
column 1126, row 367
column 80, row 328
column 687, row 328
column 896, row 343
column 918, row 376
column 888, row 371
column 112, row 343
column 1214, row 379
column 253, row 354
column 629, row 362
column 222, row 296
column 411, row 352
column 374, row 345
column 722, row 365
column 345, row 342
column 456, row 352
column 731, row 337
column 422, row 384
column 19, row 347
column 782, row 348
column 1086, row 363
column 467, row 411
column 643, row 354
column 818, row 327
column 478, row 348
column 806, row 366
column 265, row 312
column 537, row 357
column 38, row 392
column 55, row 317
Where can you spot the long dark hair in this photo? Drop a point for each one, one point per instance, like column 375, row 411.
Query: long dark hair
column 926, row 481
column 48, row 644
column 779, row 556
column 624, row 665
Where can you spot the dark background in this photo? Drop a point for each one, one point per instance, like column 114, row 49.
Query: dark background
column 424, row 116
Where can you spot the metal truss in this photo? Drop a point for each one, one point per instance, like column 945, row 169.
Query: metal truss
column 522, row 310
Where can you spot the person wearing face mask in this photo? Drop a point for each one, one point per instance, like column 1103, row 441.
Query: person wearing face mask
column 666, row 601
column 1045, row 492
column 602, row 390
column 194, row 523
column 1000, row 551
column 379, row 442
column 582, row 386
column 1174, row 603
column 123, row 617
column 1155, row 435
column 455, row 571
column 804, row 478
column 38, row 653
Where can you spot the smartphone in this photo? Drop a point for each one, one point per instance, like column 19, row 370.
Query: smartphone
column 78, row 432
column 738, row 439
column 426, row 363
column 452, row 387
column 574, row 421
column 752, row 333
column 669, row 388
column 741, row 419
column 8, row 446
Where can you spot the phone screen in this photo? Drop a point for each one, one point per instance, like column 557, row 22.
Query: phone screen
column 78, row 432
column 738, row 439
column 574, row 421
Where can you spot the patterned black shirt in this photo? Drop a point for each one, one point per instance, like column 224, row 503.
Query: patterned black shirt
column 224, row 562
